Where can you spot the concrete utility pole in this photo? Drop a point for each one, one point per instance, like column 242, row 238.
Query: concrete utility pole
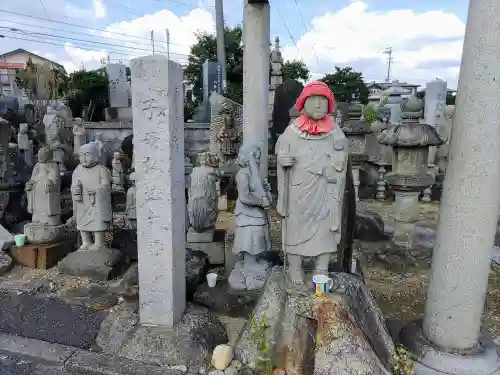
column 390, row 59
column 221, row 47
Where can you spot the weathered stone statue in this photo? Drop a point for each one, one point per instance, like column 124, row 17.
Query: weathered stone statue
column 52, row 134
column 228, row 137
column 252, row 236
column 100, row 148
column 91, row 192
column 22, row 137
column 79, row 134
column 312, row 157
column 117, row 174
column 44, row 200
column 130, row 208
column 203, row 197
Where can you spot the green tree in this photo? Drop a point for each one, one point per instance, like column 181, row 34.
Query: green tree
column 347, row 85
column 205, row 50
column 450, row 99
column 295, row 69
column 88, row 86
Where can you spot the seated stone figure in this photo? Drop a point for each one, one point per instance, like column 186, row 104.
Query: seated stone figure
column 91, row 192
column 44, row 200
column 312, row 156
column 252, row 235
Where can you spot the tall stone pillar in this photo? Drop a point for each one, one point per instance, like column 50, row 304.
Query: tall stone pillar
column 256, row 38
column 4, row 147
column 157, row 105
column 468, row 214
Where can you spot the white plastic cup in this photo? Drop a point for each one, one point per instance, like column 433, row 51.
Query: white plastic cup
column 211, row 279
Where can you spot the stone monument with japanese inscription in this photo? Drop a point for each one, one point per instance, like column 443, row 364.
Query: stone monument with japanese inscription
column 118, row 86
column 157, row 104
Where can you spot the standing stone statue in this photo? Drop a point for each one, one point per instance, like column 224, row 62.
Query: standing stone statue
column 228, row 137
column 53, row 134
column 22, row 137
column 79, row 134
column 44, row 200
column 203, row 197
column 100, row 148
column 117, row 174
column 312, row 158
column 91, row 192
column 130, row 207
column 252, row 236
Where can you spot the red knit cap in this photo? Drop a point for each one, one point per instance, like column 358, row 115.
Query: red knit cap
column 315, row 88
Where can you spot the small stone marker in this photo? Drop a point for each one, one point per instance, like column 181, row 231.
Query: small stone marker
column 6, row 238
column 157, row 106
column 118, row 86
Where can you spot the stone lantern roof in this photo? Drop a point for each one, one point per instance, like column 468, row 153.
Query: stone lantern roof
column 411, row 133
column 355, row 125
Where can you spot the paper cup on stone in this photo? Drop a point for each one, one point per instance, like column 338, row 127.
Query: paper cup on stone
column 211, row 279
column 20, row 239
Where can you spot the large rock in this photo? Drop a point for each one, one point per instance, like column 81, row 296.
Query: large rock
column 369, row 226
column 341, row 333
column 191, row 341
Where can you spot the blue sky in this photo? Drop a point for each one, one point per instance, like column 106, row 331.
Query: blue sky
column 426, row 36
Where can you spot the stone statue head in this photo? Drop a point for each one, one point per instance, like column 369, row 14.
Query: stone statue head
column 131, row 178
column 316, row 100
column 89, row 155
column 23, row 127
column 316, row 107
column 45, row 155
column 247, row 154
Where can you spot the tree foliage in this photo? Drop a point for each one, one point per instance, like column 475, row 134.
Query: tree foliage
column 205, row 50
column 86, row 86
column 347, row 85
column 42, row 81
column 295, row 69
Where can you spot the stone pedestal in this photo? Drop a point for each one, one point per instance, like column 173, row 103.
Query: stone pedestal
column 43, row 234
column 99, row 265
column 449, row 340
column 256, row 36
column 210, row 242
column 160, row 184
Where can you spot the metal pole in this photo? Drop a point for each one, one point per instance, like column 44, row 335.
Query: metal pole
column 221, row 49
column 168, row 43
column 153, row 41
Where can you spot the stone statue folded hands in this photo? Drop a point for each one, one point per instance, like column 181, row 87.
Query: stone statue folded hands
column 29, row 185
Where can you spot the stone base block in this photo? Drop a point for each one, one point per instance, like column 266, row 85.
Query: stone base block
column 43, row 234
column 222, row 203
column 432, row 361
column 204, row 237
column 214, row 251
column 41, row 256
column 319, row 334
column 100, row 265
column 190, row 342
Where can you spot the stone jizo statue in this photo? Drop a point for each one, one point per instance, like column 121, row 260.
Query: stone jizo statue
column 312, row 157
column 91, row 192
column 228, row 137
column 54, row 141
column 117, row 173
column 203, row 197
column 79, row 134
column 22, row 137
column 252, row 236
column 100, row 148
column 44, row 199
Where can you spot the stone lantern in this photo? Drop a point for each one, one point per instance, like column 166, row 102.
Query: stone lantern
column 410, row 142
column 356, row 130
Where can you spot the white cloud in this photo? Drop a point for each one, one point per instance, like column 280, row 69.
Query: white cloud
column 425, row 45
column 99, row 8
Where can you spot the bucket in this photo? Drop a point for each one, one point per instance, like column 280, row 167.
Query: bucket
column 20, row 239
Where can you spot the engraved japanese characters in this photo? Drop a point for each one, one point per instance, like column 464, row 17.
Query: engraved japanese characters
column 312, row 157
column 252, row 236
column 91, row 192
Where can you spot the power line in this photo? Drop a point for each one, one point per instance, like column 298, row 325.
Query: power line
column 306, row 29
column 289, row 33
column 45, row 10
